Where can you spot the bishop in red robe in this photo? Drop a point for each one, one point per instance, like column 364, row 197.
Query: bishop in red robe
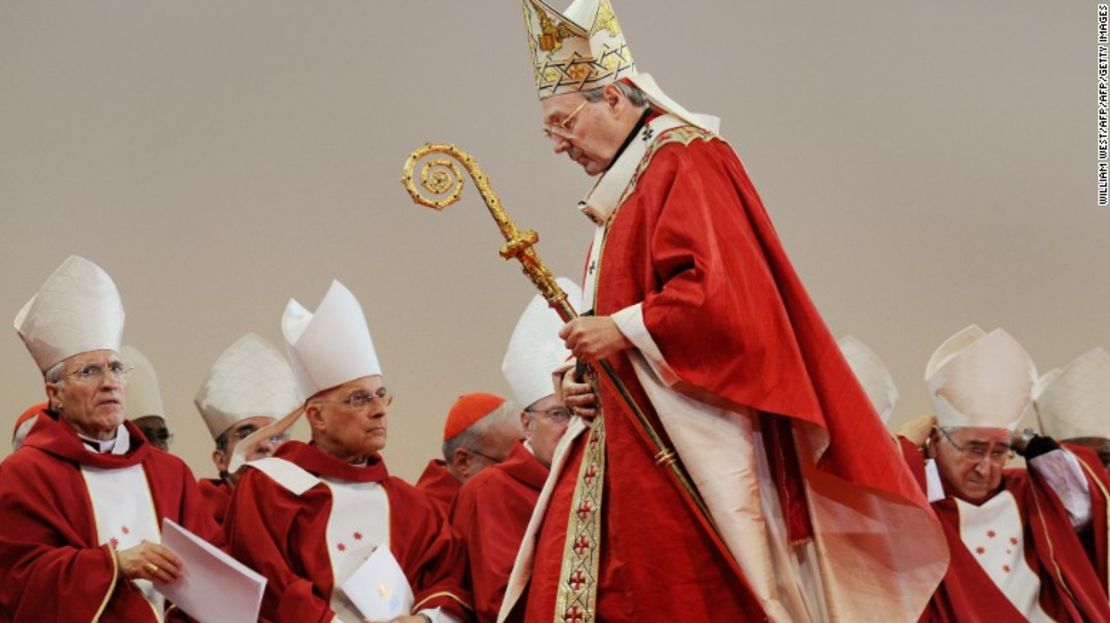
column 491, row 514
column 285, row 536
column 60, row 563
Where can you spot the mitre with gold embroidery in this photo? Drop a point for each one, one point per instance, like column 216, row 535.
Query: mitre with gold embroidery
column 583, row 48
column 578, row 50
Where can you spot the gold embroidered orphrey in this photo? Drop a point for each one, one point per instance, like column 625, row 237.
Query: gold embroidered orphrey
column 568, row 57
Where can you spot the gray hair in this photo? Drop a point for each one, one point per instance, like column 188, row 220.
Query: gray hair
column 637, row 97
column 474, row 435
column 55, row 373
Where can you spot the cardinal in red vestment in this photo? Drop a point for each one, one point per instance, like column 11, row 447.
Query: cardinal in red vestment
column 480, row 431
column 311, row 516
column 83, row 499
column 250, row 386
column 795, row 505
column 1013, row 533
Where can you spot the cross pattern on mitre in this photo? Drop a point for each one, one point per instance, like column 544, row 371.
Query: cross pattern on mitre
column 568, row 56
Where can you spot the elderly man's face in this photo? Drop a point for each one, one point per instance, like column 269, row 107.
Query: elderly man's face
column 155, row 430
column 349, row 421
column 970, row 460
column 545, row 422
column 238, row 432
column 589, row 133
column 90, row 396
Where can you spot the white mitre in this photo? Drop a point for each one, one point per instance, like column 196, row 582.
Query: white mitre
column 1075, row 402
column 875, row 378
column 329, row 347
column 980, row 379
column 535, row 348
column 249, row 379
column 77, row 310
column 584, row 48
column 144, row 397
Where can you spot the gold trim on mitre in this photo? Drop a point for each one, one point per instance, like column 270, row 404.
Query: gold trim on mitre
column 580, row 49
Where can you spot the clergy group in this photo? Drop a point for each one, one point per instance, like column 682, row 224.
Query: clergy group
column 684, row 439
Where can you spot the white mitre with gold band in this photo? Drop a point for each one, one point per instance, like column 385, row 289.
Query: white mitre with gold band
column 329, row 347
column 980, row 379
column 144, row 395
column 250, row 379
column 535, row 348
column 875, row 378
column 77, row 310
column 583, row 48
column 1075, row 402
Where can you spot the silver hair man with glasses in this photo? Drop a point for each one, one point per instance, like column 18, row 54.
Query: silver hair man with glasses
column 249, row 387
column 83, row 499
column 1014, row 534
column 315, row 514
column 493, row 508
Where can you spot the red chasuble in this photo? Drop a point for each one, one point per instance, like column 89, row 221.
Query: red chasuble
column 217, row 495
column 439, row 485
column 693, row 244
column 1069, row 588
column 55, row 568
column 284, row 537
column 491, row 513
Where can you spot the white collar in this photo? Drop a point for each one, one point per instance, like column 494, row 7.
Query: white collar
column 117, row 445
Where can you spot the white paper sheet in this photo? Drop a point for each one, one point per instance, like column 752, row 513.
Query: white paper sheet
column 379, row 587
column 213, row 587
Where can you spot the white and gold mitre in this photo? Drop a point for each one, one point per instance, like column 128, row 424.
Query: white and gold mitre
column 1075, row 401
column 579, row 49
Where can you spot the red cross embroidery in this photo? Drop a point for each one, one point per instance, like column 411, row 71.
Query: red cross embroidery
column 1009, row 551
column 980, row 550
column 1013, row 540
column 341, row 547
column 584, row 510
column 114, row 541
column 1006, row 568
column 358, row 536
column 591, row 473
column 126, row 530
column 581, row 546
column 991, row 534
column 573, row 615
column 577, row 580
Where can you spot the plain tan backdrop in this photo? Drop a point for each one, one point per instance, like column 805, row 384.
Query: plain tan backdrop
column 927, row 164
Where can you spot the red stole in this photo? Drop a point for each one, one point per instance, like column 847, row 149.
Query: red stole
column 439, row 485
column 55, row 570
column 491, row 513
column 282, row 535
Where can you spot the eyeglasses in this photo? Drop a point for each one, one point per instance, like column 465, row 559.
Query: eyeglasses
column 242, row 433
column 976, row 453
column 361, row 400
column 560, row 129
column 96, row 371
column 558, row 414
column 483, row 455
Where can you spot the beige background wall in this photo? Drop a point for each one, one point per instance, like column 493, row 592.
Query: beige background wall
column 928, row 165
